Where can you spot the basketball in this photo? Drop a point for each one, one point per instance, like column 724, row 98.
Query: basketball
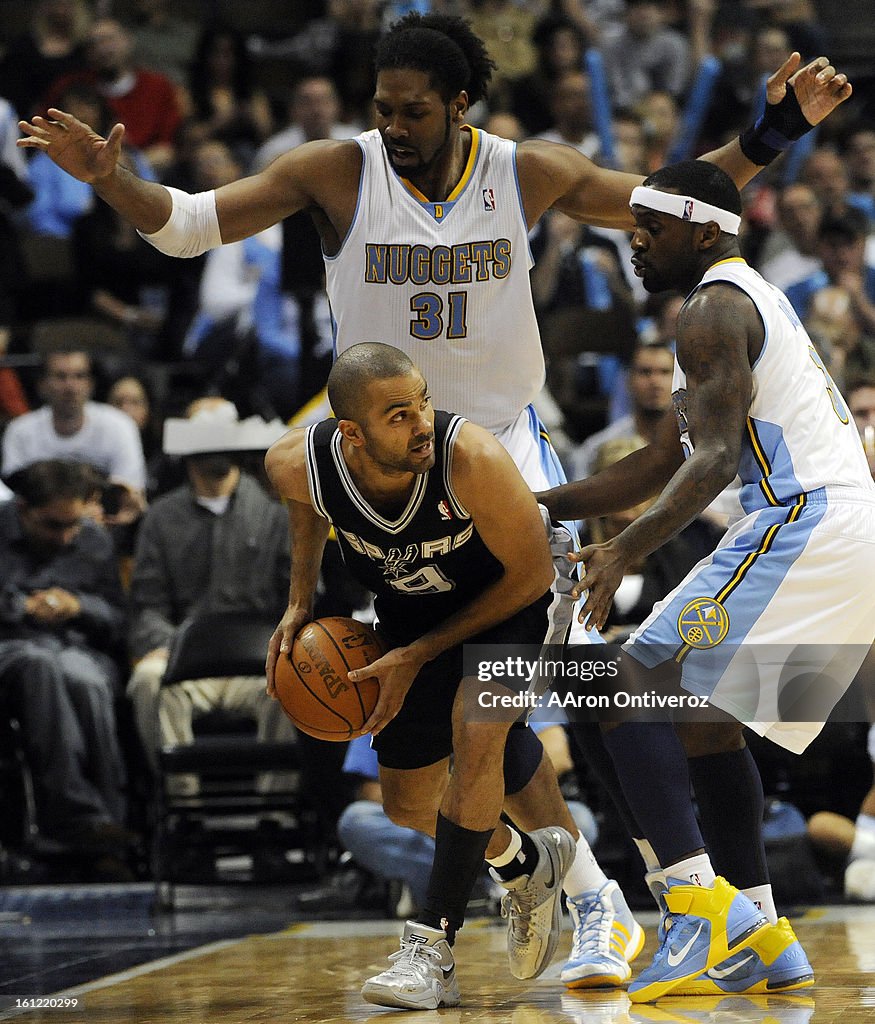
column 311, row 683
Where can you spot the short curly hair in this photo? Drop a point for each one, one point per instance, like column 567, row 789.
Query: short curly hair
column 443, row 47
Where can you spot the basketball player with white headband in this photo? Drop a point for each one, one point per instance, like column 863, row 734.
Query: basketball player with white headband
column 756, row 415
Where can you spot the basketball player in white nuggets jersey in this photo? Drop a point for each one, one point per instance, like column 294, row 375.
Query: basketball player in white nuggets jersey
column 757, row 412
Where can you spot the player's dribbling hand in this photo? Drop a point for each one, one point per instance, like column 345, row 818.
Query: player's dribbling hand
column 818, row 86
column 73, row 145
column 395, row 673
column 603, row 570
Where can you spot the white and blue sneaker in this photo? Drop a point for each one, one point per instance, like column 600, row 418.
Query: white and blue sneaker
column 607, row 938
column 774, row 962
column 422, row 975
column 706, row 926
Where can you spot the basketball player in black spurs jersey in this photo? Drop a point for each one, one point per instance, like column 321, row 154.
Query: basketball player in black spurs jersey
column 432, row 514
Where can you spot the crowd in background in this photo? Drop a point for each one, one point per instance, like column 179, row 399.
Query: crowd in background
column 207, row 97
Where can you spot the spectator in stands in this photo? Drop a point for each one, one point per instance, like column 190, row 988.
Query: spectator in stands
column 837, row 303
column 630, row 142
column 790, row 252
column 53, row 46
column 861, row 404
column 246, row 333
column 859, row 152
column 71, row 426
column 15, row 193
column 227, row 106
column 313, row 113
column 216, row 544
column 649, row 383
column 647, row 55
column 572, row 114
column 132, row 395
column 660, row 117
column 580, row 293
column 61, row 621
column 164, row 39
column 145, row 102
column 507, row 30
column 559, row 44
column 827, row 175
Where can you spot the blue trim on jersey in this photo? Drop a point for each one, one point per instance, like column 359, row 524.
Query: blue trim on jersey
column 703, row 669
column 358, row 203
column 519, row 195
column 778, row 472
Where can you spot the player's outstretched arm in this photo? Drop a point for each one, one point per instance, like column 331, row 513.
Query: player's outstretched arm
column 315, row 174
column 308, row 533
column 558, row 176
column 714, row 330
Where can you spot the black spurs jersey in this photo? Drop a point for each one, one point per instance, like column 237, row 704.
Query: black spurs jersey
column 423, row 566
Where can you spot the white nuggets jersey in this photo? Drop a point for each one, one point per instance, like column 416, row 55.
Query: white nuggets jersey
column 447, row 282
column 799, row 434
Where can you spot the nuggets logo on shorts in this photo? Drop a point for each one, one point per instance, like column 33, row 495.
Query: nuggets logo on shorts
column 703, row 623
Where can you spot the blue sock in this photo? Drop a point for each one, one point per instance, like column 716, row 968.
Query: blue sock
column 652, row 766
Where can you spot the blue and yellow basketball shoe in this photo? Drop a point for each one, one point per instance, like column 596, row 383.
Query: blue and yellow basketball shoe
column 704, row 927
column 774, row 962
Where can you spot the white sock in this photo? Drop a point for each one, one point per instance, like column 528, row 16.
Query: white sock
column 651, row 863
column 585, row 873
column 761, row 895
column 513, row 848
column 864, row 838
column 693, row 870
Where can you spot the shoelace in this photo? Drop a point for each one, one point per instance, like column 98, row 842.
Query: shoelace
column 523, row 901
column 407, row 957
column 593, row 929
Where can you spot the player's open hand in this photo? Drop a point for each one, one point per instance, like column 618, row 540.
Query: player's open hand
column 603, row 569
column 819, row 88
column 73, row 145
column 395, row 673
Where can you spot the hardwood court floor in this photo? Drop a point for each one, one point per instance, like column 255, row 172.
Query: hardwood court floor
column 312, row 973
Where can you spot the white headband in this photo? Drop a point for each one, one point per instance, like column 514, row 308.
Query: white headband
column 685, row 208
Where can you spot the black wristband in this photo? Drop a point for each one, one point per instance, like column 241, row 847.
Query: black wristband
column 780, row 125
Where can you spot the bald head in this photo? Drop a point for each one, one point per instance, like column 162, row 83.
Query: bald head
column 354, row 370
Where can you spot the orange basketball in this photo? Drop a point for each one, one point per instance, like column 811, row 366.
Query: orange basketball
column 312, row 685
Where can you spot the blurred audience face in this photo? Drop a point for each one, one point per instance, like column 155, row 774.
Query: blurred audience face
column 630, row 145
column 800, row 213
column 506, row 126
column 67, row 382
column 842, row 254
column 861, row 402
column 659, row 113
column 825, row 172
column 129, row 395
column 214, row 165
column 644, row 18
column 650, row 379
column 771, row 47
column 315, row 107
column 570, row 102
column 109, row 48
column 54, row 526
column 564, row 52
column 861, row 158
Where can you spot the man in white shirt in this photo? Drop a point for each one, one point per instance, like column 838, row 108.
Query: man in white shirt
column 71, row 426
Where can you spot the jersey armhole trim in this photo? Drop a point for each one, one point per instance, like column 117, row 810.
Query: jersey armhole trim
column 452, row 433
column 313, row 483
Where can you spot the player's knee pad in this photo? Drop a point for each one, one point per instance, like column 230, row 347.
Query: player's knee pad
column 522, row 755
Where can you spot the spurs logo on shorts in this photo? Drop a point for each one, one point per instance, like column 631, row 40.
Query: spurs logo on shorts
column 703, row 623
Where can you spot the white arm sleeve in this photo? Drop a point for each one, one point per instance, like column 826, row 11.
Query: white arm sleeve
column 193, row 225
